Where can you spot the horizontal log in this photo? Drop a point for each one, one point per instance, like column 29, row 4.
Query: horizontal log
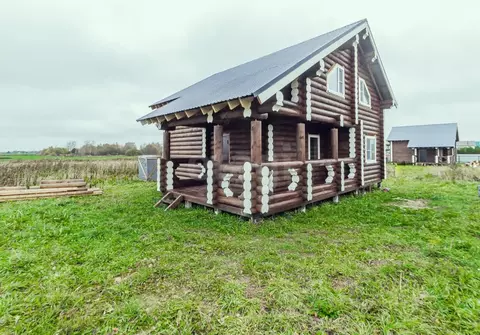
column 322, row 162
column 41, row 191
column 283, row 205
column 61, row 181
column 346, row 102
column 182, row 169
column 347, row 160
column 181, row 174
column 276, row 198
column 292, row 105
column 184, row 139
column 49, row 195
column 186, row 146
column 239, row 158
column 283, row 164
column 233, row 201
column 7, row 188
column 238, row 169
column 317, row 116
column 330, row 105
column 185, row 157
column 234, row 210
column 187, row 130
column 239, row 177
column 178, row 153
column 63, row 185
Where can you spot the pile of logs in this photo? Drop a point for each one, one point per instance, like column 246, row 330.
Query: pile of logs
column 48, row 189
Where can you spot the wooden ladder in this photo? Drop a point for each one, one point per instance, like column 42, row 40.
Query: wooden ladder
column 173, row 203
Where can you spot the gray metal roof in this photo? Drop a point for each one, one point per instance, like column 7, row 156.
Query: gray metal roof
column 250, row 78
column 426, row 136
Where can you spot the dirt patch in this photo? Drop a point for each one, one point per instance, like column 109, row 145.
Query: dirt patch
column 339, row 283
column 378, row 262
column 411, row 204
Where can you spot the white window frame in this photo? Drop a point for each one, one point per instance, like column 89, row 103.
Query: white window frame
column 361, row 82
column 370, row 138
column 317, row 137
column 337, row 67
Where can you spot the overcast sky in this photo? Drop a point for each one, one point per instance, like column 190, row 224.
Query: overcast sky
column 86, row 70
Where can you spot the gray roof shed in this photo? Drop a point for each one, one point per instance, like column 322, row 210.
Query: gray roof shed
column 426, row 136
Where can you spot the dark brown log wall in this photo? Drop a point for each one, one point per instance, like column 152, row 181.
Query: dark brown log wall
column 372, row 118
column 239, row 141
column 186, row 142
column 401, row 152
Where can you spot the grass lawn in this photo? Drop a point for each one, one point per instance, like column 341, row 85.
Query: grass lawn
column 6, row 157
column 114, row 264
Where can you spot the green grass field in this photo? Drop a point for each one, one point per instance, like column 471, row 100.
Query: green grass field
column 373, row 264
column 6, row 157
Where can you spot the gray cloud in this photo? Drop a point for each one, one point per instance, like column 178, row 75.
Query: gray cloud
column 85, row 70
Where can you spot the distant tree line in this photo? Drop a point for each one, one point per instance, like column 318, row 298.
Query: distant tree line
column 89, row 148
column 469, row 150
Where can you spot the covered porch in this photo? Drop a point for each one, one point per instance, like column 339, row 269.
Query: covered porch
column 257, row 168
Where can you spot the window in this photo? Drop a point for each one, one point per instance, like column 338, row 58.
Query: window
column 370, row 149
column 226, row 148
column 313, row 147
column 364, row 93
column 336, row 80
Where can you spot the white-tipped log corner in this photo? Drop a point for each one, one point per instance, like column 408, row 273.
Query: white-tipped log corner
column 247, row 188
column 308, row 101
column 295, row 91
column 278, row 101
column 169, row 175
column 351, row 143
column 295, row 179
column 270, row 143
column 309, row 182
column 246, row 104
column 265, row 189
column 321, row 67
column 210, row 182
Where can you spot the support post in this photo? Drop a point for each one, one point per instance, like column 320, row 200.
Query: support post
column 301, row 149
column 166, row 145
column 334, row 142
column 158, row 173
column 218, row 143
column 256, row 142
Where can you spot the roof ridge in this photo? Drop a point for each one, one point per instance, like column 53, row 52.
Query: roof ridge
column 428, row 124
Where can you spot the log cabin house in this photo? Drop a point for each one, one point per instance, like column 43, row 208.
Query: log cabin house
column 292, row 128
column 424, row 144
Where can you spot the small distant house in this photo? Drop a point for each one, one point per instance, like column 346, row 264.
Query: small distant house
column 425, row 144
column 295, row 127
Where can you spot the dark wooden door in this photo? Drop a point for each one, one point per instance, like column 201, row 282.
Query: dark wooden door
column 422, row 155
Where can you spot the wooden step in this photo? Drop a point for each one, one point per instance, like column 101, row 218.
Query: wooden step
column 165, row 197
column 175, row 203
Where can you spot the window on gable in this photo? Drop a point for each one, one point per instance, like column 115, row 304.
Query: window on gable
column 336, row 80
column 365, row 98
column 313, row 147
column 370, row 149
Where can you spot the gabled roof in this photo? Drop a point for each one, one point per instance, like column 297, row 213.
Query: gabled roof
column 263, row 77
column 426, row 136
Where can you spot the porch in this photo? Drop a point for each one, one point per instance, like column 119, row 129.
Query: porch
column 249, row 186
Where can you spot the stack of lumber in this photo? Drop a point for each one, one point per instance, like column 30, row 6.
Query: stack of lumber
column 48, row 189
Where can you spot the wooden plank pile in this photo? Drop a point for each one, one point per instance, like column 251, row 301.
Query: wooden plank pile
column 48, row 189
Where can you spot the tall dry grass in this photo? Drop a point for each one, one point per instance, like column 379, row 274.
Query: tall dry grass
column 28, row 173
